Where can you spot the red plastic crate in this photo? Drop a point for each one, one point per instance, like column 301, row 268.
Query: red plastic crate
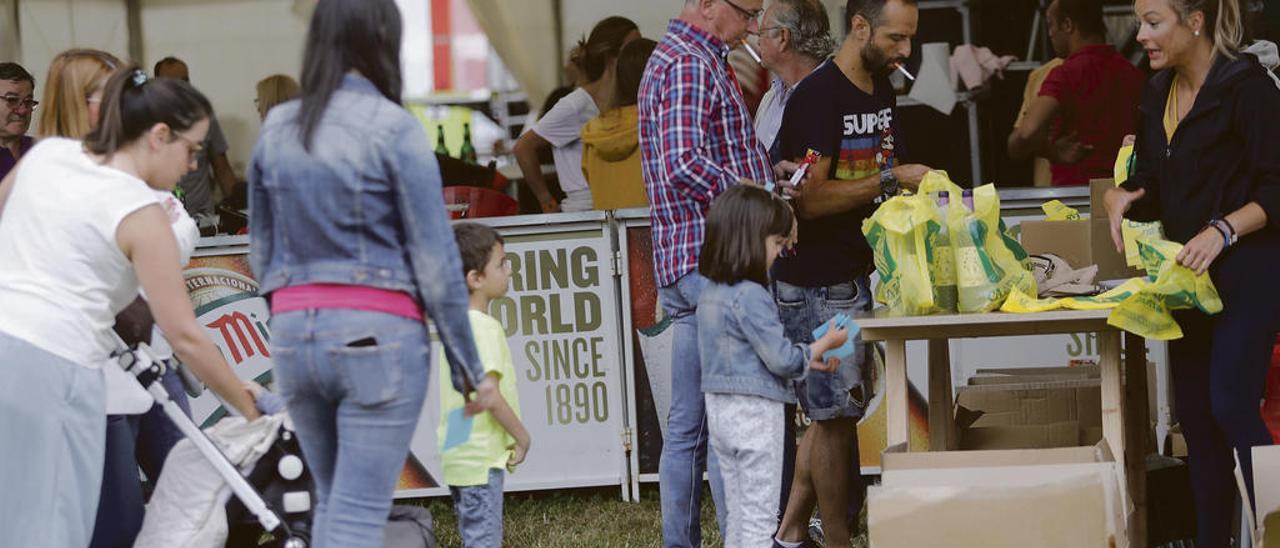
column 469, row 202
column 1271, row 403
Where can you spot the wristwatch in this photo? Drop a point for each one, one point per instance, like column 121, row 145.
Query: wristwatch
column 889, row 183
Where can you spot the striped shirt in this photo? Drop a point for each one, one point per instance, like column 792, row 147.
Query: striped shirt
column 696, row 140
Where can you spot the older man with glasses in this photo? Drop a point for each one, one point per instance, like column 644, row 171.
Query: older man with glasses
column 794, row 38
column 17, row 89
column 696, row 141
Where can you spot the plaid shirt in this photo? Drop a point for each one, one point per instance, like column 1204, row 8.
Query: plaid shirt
column 696, row 140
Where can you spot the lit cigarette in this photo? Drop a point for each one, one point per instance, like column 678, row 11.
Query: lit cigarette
column 905, row 73
column 755, row 55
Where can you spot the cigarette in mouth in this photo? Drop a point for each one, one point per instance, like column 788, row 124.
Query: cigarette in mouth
column 905, row 73
column 746, row 45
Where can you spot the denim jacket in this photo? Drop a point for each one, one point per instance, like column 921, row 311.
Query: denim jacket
column 742, row 346
column 364, row 207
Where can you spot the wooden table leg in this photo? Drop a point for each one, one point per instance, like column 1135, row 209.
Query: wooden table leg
column 1114, row 427
column 1112, row 392
column 895, row 397
column 1137, row 432
column 942, row 423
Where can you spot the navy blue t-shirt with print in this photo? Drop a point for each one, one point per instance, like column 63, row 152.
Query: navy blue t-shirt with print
column 829, row 114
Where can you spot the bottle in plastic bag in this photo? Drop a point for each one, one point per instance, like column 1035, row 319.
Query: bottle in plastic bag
column 976, row 288
column 942, row 259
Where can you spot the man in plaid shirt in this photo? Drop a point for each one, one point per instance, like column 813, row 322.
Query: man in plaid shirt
column 696, row 140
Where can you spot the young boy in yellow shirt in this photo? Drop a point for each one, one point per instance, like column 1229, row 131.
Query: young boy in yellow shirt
column 474, row 470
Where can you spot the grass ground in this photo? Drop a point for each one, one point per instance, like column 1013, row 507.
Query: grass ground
column 578, row 518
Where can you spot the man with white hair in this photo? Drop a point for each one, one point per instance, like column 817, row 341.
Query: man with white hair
column 794, row 38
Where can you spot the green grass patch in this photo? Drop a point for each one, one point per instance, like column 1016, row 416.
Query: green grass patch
column 580, row 517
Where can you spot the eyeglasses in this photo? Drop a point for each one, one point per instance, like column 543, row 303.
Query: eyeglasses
column 193, row 149
column 13, row 101
column 747, row 16
column 764, row 30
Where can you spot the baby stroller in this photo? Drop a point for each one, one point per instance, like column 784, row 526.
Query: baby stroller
column 276, row 496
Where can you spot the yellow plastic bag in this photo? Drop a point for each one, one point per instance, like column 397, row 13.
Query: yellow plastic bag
column 1108, row 299
column 1019, row 302
column 1172, row 287
column 1132, row 231
column 938, row 189
column 1146, row 314
column 1055, row 210
column 897, row 236
column 1124, row 164
column 989, row 262
column 1141, row 305
column 932, row 258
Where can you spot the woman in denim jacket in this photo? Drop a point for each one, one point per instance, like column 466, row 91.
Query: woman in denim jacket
column 747, row 362
column 353, row 247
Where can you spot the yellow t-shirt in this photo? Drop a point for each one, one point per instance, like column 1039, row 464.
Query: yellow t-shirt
column 1040, row 173
column 469, row 463
column 1171, row 112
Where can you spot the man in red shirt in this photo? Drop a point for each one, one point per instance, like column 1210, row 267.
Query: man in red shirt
column 1087, row 105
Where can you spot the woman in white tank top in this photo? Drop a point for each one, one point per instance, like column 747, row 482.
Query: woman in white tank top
column 81, row 229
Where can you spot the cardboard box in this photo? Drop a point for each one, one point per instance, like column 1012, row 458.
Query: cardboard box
column 989, row 379
column 1085, row 371
column 1035, row 403
column 1047, row 498
column 1081, row 243
column 1041, row 436
column 1176, row 444
column 1090, row 435
column 1015, row 375
column 1265, row 523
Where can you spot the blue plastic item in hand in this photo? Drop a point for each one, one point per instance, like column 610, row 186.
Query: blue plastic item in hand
column 457, row 429
column 845, row 350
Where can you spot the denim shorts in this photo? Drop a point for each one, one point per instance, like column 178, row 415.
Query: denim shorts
column 827, row 396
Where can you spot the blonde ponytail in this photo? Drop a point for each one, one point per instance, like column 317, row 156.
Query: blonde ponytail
column 1228, row 30
column 1226, row 17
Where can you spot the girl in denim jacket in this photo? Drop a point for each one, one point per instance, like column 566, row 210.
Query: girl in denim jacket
column 748, row 364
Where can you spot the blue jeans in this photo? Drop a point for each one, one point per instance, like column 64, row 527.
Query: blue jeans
column 354, row 383
column 134, row 441
column 826, row 396
column 479, row 509
column 684, row 451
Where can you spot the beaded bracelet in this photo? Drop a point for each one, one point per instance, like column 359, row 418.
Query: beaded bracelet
column 1228, row 232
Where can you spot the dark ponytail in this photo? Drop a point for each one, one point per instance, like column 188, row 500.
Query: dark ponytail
column 346, row 35
column 593, row 53
column 132, row 104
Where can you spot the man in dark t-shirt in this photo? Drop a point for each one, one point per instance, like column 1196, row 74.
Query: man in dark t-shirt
column 845, row 112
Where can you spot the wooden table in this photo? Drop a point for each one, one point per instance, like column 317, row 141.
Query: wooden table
column 1125, row 420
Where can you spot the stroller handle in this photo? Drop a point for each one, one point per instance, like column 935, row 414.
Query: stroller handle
column 140, row 362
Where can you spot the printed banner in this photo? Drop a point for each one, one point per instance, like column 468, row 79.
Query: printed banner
column 561, row 318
